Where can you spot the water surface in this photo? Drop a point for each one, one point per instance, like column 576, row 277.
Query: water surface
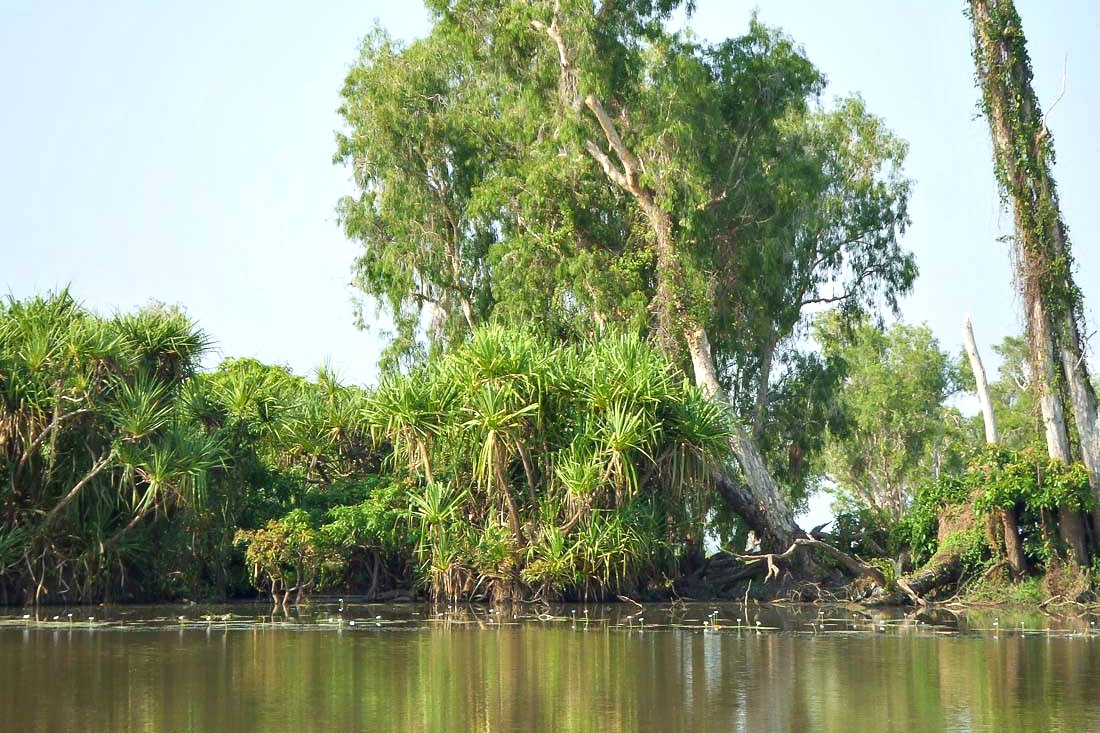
column 610, row 669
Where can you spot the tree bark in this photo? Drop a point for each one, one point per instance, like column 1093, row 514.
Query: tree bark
column 760, row 408
column 981, row 382
column 74, row 492
column 940, row 572
column 1014, row 552
column 1023, row 155
column 756, row 499
column 1014, row 548
column 1083, row 398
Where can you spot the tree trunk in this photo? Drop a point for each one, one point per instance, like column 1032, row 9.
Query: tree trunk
column 940, row 572
column 981, row 382
column 759, row 501
column 74, row 492
column 1013, row 549
column 1082, row 396
column 760, row 408
column 1071, row 528
column 1083, row 399
column 756, row 498
column 509, row 502
column 1023, row 157
column 1050, row 402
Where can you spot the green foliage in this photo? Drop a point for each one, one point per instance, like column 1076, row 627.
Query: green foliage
column 917, row 529
column 1003, row 479
column 128, row 470
column 1014, row 398
column 289, row 555
column 896, row 429
column 1024, row 593
column 95, row 439
column 568, row 470
column 866, row 532
column 1025, row 482
column 889, row 571
column 482, row 195
column 378, row 521
column 971, row 546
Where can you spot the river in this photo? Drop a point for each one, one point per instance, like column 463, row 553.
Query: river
column 699, row 668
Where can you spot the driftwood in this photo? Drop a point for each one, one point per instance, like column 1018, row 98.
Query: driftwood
column 853, row 565
column 726, row 569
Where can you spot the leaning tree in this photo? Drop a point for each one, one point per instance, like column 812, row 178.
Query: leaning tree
column 1023, row 156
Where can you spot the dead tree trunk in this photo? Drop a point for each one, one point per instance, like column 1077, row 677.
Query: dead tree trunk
column 1023, row 157
column 980, row 380
column 1014, row 551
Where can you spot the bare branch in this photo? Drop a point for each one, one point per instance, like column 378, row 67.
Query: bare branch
column 1045, row 132
column 631, row 165
column 75, row 491
column 617, row 176
column 37, row 442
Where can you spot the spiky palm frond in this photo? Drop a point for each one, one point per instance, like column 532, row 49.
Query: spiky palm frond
column 163, row 341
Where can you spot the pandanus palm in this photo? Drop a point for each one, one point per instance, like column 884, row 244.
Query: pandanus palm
column 604, row 439
column 502, row 379
column 91, row 424
column 409, row 411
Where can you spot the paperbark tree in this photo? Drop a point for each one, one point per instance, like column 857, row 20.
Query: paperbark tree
column 1023, row 158
column 632, row 174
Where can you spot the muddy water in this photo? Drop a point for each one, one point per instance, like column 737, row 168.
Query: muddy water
column 607, row 669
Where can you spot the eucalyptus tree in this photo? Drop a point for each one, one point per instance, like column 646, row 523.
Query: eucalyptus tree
column 1023, row 154
column 418, row 157
column 824, row 203
column 640, row 177
column 893, row 396
column 1013, row 395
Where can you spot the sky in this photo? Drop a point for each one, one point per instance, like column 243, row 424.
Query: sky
column 182, row 153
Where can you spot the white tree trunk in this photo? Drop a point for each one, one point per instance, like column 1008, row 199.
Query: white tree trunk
column 1007, row 517
column 1070, row 525
column 981, row 381
column 756, row 499
column 1050, row 402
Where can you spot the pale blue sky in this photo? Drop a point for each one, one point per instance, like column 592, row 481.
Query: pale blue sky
column 182, row 152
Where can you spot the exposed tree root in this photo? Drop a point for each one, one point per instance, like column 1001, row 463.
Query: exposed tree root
column 798, row 576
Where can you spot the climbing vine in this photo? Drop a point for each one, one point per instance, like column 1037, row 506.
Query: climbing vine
column 1023, row 157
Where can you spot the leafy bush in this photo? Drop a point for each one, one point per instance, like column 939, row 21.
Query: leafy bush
column 1025, row 481
column 289, row 555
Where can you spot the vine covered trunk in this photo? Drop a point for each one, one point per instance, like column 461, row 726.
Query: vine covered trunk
column 1023, row 160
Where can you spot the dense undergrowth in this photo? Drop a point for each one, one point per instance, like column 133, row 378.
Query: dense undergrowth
column 509, row 468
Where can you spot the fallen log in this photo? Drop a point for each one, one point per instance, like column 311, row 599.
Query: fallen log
column 723, row 571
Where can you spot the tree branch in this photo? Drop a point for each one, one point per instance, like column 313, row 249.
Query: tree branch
column 631, row 164
column 59, row 506
column 609, row 169
column 37, row 442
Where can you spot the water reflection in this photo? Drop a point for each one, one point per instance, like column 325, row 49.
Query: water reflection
column 613, row 669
